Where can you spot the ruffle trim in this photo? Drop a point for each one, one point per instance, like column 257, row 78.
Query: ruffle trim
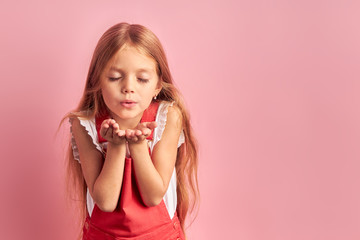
column 89, row 126
column 161, row 118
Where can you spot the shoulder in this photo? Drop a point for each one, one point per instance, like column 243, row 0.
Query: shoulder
column 174, row 116
column 77, row 124
column 172, row 113
column 170, row 124
column 78, row 130
column 83, row 131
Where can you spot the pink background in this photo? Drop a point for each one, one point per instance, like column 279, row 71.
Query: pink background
column 273, row 91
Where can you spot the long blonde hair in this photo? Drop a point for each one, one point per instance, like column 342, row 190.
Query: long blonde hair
column 92, row 104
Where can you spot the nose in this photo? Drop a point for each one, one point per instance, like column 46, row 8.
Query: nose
column 127, row 85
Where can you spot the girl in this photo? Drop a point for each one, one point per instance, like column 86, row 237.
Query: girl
column 132, row 153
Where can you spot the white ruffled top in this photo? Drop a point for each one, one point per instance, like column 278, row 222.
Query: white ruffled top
column 170, row 197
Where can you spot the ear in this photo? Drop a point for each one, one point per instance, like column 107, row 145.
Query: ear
column 158, row 87
column 158, row 90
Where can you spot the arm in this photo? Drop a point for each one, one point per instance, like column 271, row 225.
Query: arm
column 103, row 178
column 153, row 174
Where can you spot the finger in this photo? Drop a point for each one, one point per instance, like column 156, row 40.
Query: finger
column 105, row 123
column 110, row 131
column 128, row 133
column 116, row 126
column 108, row 134
column 138, row 132
column 103, row 130
column 112, row 122
column 150, row 125
column 114, row 133
column 146, row 131
column 104, row 127
column 121, row 133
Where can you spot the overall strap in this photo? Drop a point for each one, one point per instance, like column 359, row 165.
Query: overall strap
column 149, row 115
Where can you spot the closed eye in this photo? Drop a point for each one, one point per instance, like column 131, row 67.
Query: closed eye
column 114, row 79
column 143, row 80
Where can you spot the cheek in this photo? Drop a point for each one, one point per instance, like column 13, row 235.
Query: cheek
column 150, row 94
column 147, row 97
column 106, row 96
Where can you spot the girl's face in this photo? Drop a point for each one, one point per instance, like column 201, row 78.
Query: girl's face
column 128, row 84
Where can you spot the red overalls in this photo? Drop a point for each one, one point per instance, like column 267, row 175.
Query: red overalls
column 132, row 220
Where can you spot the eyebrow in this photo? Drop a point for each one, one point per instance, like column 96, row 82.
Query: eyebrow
column 139, row 70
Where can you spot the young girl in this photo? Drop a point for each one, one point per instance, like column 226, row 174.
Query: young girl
column 132, row 153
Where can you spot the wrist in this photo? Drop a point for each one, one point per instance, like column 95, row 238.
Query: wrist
column 116, row 146
column 138, row 144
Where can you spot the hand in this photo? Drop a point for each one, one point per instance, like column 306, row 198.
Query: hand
column 140, row 133
column 111, row 131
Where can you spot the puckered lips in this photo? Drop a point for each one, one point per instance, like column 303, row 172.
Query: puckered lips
column 127, row 103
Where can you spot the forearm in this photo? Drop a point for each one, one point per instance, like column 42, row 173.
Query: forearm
column 107, row 187
column 151, row 186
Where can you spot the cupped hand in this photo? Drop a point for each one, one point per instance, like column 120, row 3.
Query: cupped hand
column 140, row 133
column 111, row 132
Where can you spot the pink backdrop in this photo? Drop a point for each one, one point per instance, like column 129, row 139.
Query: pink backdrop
column 273, row 91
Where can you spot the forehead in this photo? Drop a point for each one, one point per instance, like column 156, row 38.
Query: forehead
column 130, row 58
